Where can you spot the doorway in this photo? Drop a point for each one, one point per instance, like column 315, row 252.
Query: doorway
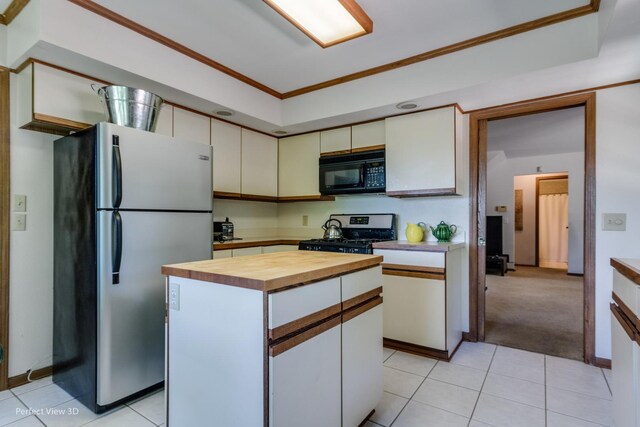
column 479, row 121
column 4, row 226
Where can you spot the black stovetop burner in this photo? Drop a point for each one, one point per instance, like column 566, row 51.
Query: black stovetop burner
column 359, row 231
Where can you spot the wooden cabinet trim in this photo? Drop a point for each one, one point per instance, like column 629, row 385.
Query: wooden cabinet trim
column 405, row 267
column 226, row 195
column 414, row 274
column 288, row 344
column 626, row 311
column 352, row 302
column 304, row 322
column 368, row 148
column 626, row 270
column 423, row 193
column 362, row 308
column 335, row 153
column 416, row 349
column 624, row 322
column 52, row 124
column 314, row 198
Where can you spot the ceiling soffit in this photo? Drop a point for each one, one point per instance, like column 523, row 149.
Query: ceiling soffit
column 592, row 7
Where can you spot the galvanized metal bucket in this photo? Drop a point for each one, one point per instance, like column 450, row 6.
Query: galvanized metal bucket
column 131, row 107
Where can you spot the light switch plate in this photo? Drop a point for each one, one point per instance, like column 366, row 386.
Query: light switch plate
column 174, row 297
column 18, row 222
column 614, row 221
column 19, row 203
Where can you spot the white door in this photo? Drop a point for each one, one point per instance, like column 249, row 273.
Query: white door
column 361, row 366
column 152, row 171
column 131, row 312
column 304, row 383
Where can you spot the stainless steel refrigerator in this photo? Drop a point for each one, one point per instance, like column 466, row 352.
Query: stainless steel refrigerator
column 126, row 202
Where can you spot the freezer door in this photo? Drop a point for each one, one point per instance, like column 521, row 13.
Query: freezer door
column 131, row 313
column 145, row 170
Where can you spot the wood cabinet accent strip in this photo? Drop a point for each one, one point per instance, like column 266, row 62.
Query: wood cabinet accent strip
column 416, row 274
column 416, row 349
column 368, row 148
column 626, row 270
column 304, row 322
column 624, row 322
column 423, row 193
column 362, row 308
column 277, row 349
column 226, row 195
column 626, row 311
column 255, row 244
column 10, row 13
column 335, row 153
column 314, row 198
column 350, row 303
column 404, row 267
column 258, row 198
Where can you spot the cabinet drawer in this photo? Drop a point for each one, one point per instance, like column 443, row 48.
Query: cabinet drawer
column 420, row 259
column 295, row 304
column 361, row 282
column 627, row 291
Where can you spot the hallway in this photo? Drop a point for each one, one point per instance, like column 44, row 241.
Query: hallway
column 536, row 309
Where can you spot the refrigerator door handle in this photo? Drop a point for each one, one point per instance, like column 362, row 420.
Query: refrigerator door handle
column 117, row 173
column 116, row 249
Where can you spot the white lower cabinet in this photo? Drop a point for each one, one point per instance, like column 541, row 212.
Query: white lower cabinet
column 361, row 365
column 625, row 374
column 415, row 310
column 227, row 253
column 247, row 251
column 304, row 383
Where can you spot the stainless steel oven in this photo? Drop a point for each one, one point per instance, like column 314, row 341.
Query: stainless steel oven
column 353, row 173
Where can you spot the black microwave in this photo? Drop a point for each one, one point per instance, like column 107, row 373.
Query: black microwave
column 353, row 173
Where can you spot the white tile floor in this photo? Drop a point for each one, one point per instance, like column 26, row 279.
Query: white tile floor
column 484, row 385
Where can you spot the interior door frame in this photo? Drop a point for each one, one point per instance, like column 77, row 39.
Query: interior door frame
column 5, row 201
column 538, row 179
column 478, row 175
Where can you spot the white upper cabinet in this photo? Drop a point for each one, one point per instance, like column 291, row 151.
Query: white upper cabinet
column 52, row 100
column 367, row 136
column 298, row 173
column 191, row 126
column 165, row 120
column 335, row 140
column 226, row 140
column 259, row 164
column 422, row 153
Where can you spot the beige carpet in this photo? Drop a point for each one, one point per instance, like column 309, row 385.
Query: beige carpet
column 536, row 309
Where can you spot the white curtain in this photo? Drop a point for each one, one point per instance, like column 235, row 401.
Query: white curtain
column 553, row 210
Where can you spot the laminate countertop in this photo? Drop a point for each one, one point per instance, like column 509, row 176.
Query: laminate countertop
column 630, row 268
column 403, row 245
column 253, row 242
column 271, row 272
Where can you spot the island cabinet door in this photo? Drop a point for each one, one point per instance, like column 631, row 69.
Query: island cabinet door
column 361, row 362
column 304, row 378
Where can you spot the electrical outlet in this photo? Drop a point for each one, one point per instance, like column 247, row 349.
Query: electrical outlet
column 18, row 222
column 174, row 297
column 19, row 203
column 305, row 220
column 614, row 221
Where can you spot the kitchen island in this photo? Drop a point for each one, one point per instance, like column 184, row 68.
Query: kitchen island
column 281, row 339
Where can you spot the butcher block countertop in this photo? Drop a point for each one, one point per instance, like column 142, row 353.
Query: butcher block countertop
column 629, row 268
column 403, row 245
column 271, row 272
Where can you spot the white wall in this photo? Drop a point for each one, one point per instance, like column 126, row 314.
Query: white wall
column 500, row 186
column 250, row 219
column 617, row 190
column 31, row 259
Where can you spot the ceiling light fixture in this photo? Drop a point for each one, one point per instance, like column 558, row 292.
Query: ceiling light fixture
column 406, row 105
column 326, row 22
column 224, row 113
column 280, row 132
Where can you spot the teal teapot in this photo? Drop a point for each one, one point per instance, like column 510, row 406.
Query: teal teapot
column 443, row 232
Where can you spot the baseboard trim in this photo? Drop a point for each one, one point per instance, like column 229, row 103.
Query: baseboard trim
column 602, row 362
column 575, row 274
column 420, row 350
column 18, row 380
